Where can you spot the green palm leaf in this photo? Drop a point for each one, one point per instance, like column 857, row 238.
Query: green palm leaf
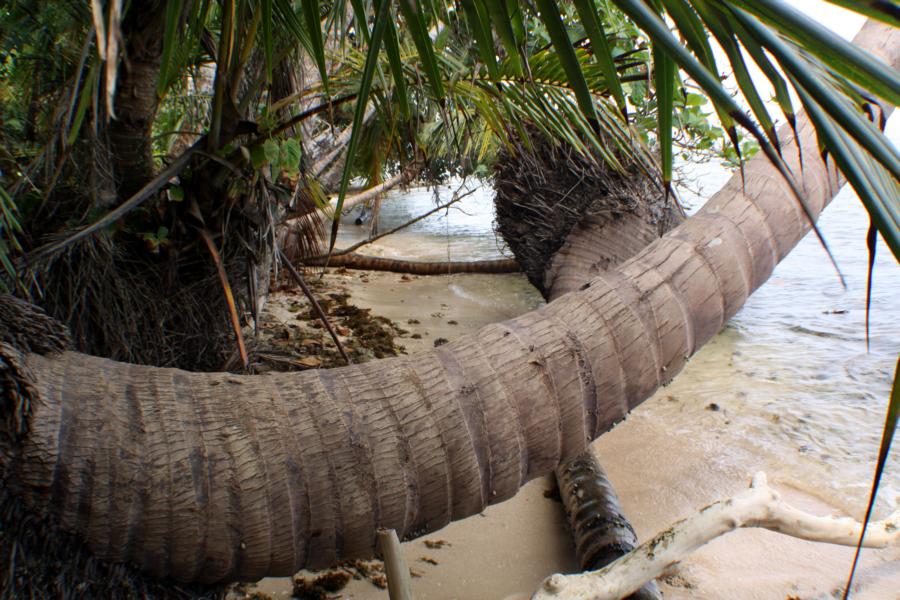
column 879, row 10
column 602, row 51
column 568, row 60
column 365, row 86
column 845, row 58
column 812, row 80
column 418, row 27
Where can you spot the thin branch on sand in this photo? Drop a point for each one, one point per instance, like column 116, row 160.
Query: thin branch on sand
column 399, row 581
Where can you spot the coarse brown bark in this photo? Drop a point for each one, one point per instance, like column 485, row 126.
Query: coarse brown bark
column 210, row 477
column 601, row 217
column 545, row 189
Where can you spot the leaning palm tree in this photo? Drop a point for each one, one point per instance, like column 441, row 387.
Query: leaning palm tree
column 216, row 477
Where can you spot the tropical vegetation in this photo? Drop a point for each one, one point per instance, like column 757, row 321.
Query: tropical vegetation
column 154, row 150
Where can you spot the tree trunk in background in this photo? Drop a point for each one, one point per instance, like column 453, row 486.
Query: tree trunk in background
column 129, row 132
column 212, row 477
column 352, row 260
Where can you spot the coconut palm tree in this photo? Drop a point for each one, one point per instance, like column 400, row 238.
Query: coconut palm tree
column 216, row 477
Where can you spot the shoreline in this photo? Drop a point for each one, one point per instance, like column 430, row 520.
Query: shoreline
column 664, row 468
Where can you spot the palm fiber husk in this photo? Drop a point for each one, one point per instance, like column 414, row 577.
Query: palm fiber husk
column 544, row 188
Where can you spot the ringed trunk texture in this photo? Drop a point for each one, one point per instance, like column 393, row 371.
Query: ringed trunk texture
column 212, row 477
column 546, row 193
column 605, row 217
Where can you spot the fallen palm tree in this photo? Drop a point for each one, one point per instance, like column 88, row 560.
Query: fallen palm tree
column 211, row 477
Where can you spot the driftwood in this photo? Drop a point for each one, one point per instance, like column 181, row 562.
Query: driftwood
column 401, row 178
column 758, row 506
column 416, row 267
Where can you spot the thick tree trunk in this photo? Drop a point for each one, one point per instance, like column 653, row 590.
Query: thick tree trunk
column 211, row 477
column 129, row 132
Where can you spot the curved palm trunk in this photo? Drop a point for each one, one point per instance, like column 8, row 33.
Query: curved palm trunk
column 599, row 527
column 211, row 477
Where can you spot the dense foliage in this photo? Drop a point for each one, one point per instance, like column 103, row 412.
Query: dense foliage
column 151, row 150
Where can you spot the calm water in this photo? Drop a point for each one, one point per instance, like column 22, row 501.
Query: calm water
column 790, row 372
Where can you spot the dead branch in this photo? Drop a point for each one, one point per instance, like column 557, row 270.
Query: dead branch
column 315, row 304
column 352, row 260
column 758, row 506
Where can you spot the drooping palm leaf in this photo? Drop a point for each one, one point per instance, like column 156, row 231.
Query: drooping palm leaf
column 879, row 10
column 843, row 57
column 593, row 25
column 814, row 81
column 378, row 29
column 891, row 419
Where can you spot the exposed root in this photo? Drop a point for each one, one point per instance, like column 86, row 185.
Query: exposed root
column 125, row 304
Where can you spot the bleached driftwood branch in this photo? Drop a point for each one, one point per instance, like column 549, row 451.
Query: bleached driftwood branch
column 759, row 506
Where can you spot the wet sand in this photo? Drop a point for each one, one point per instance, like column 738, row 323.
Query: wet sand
column 671, row 457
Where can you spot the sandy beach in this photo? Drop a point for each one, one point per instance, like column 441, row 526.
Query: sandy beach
column 672, row 456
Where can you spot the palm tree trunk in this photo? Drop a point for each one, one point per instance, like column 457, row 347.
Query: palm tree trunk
column 136, row 102
column 211, row 477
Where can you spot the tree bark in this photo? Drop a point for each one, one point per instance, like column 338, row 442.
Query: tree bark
column 211, row 477
column 760, row 506
column 130, row 131
column 416, row 267
column 601, row 531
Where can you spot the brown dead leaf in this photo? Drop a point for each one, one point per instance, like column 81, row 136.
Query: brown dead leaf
column 309, row 361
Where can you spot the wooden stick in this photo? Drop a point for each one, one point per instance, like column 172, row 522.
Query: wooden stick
column 229, row 297
column 316, row 307
column 399, row 581
column 759, row 506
